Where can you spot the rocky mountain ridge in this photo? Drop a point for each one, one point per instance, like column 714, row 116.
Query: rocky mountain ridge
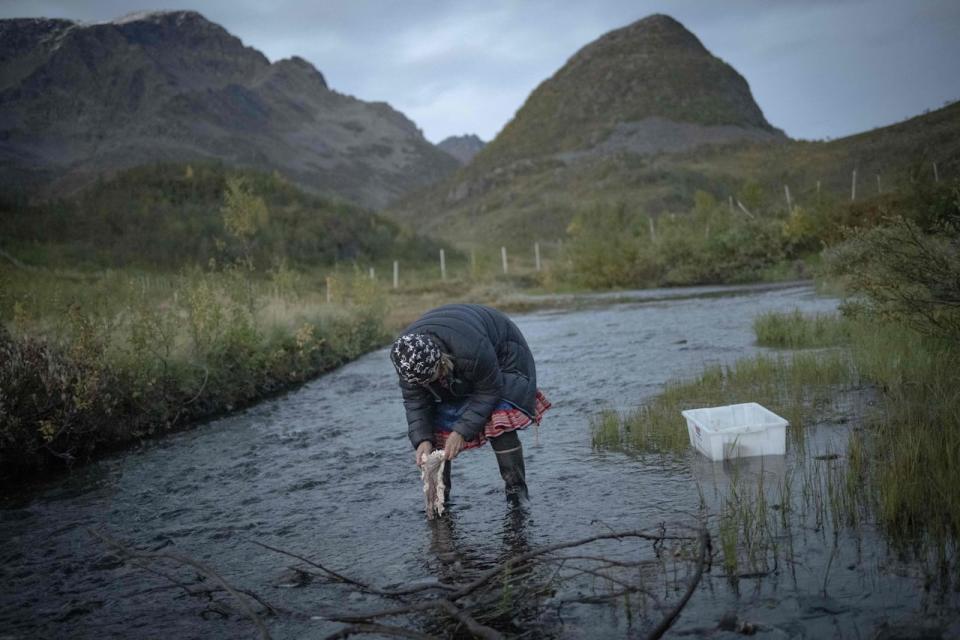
column 616, row 91
column 464, row 147
column 78, row 101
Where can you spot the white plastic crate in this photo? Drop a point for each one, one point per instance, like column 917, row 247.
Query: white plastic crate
column 736, row 431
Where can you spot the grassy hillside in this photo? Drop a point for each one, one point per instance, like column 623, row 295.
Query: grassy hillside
column 169, row 215
column 538, row 199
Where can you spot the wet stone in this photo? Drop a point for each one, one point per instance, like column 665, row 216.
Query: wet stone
column 106, row 562
column 292, row 578
column 78, row 610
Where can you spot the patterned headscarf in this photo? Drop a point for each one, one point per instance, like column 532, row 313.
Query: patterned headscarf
column 416, row 357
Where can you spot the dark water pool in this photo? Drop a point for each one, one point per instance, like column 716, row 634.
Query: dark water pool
column 326, row 471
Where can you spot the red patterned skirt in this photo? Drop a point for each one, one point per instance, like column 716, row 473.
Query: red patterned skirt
column 504, row 418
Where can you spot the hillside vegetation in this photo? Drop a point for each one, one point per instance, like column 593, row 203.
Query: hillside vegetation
column 170, row 215
column 641, row 121
column 174, row 293
column 538, row 199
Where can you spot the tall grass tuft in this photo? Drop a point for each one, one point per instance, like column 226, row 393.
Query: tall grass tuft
column 911, row 451
column 798, row 331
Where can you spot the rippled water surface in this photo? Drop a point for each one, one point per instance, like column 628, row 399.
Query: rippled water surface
column 326, row 471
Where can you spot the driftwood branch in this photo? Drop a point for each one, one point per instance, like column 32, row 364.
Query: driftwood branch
column 448, row 607
column 671, row 617
column 491, row 573
column 135, row 554
column 490, row 579
column 333, row 574
column 362, row 586
column 379, row 629
column 524, row 580
column 474, row 627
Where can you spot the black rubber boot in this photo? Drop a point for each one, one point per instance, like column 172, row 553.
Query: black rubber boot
column 510, row 458
column 446, row 481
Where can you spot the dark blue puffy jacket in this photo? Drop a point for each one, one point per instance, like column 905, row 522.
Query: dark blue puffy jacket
column 491, row 362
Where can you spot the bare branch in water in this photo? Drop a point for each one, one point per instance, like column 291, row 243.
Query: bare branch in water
column 671, row 617
column 545, row 555
column 472, row 605
column 190, row 562
column 333, row 574
column 390, row 593
column 379, row 629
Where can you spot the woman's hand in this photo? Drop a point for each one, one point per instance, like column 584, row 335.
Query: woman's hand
column 453, row 446
column 423, row 450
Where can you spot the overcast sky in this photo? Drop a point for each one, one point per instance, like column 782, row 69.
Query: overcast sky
column 817, row 68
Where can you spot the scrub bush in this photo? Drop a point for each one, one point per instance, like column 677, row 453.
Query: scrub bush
column 616, row 247
column 906, row 270
column 133, row 357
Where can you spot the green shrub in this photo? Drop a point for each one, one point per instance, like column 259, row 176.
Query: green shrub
column 615, row 247
column 900, row 273
column 608, row 249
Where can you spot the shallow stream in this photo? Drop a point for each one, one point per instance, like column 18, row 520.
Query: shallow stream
column 326, row 471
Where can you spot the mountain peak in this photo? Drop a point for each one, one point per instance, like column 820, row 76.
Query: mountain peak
column 651, row 68
column 656, row 30
column 658, row 21
column 159, row 16
column 464, row 147
column 81, row 99
column 298, row 66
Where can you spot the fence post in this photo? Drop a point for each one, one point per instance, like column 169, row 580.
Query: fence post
column 853, row 186
column 936, row 176
column 653, row 229
column 329, row 294
column 536, row 254
column 396, row 274
column 786, row 192
column 818, row 192
column 879, row 189
column 373, row 274
column 443, row 265
column 503, row 258
column 731, row 204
